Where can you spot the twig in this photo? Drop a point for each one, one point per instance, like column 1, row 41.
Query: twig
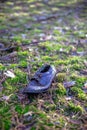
column 9, row 49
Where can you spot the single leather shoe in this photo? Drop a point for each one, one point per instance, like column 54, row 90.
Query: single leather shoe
column 42, row 80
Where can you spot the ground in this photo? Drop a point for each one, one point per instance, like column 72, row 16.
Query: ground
column 37, row 32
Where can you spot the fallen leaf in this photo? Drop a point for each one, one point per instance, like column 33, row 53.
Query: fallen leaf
column 69, row 84
column 85, row 62
column 23, row 36
column 1, row 87
column 75, row 53
column 85, row 85
column 28, row 113
column 61, row 50
column 85, row 88
column 83, row 72
column 1, row 45
column 82, row 53
column 74, row 122
column 9, row 74
column 85, row 91
column 28, row 116
column 6, row 98
column 68, row 98
column 8, row 57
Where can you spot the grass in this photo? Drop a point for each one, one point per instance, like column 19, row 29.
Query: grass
column 60, row 36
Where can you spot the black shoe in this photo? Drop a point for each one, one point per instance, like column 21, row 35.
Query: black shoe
column 42, row 80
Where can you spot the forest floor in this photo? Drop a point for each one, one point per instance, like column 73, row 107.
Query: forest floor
column 37, row 32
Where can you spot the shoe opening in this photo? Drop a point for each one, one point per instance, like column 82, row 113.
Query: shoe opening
column 45, row 69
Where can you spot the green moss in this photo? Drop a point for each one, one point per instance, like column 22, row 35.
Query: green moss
column 49, row 106
column 46, row 45
column 76, row 67
column 9, row 3
column 4, row 109
column 61, row 62
column 23, row 63
column 8, row 85
column 47, row 58
column 2, row 67
column 23, row 110
column 2, row 19
column 18, row 108
column 79, row 93
column 61, row 38
column 5, row 116
column 33, row 128
column 82, row 96
column 12, row 81
column 56, row 32
column 37, row 31
column 6, row 124
column 52, row 107
column 42, row 115
column 60, row 77
column 20, row 40
column 20, row 77
column 73, row 60
column 3, row 27
column 12, row 66
column 80, row 34
column 80, row 80
column 74, row 108
column 50, row 46
column 60, row 90
column 17, row 39
column 23, row 53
